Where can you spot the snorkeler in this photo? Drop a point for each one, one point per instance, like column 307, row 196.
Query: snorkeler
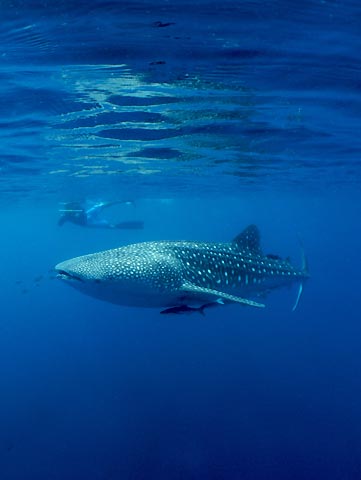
column 88, row 215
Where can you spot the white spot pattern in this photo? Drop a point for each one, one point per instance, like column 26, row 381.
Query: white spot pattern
column 166, row 266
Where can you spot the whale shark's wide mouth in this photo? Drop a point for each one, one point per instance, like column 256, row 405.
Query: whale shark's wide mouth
column 64, row 275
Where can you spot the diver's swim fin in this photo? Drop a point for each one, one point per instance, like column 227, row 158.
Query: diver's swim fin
column 134, row 225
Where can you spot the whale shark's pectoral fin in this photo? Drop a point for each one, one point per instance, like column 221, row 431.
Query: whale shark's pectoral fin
column 195, row 289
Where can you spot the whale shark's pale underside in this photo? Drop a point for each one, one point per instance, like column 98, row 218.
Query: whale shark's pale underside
column 176, row 275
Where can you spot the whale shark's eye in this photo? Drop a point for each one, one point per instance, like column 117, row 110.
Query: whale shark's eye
column 97, row 280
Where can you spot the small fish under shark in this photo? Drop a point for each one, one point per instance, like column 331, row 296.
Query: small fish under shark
column 181, row 276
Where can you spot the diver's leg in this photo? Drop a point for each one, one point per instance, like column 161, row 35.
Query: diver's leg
column 100, row 206
column 100, row 223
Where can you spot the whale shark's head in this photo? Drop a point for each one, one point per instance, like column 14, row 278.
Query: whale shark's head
column 126, row 276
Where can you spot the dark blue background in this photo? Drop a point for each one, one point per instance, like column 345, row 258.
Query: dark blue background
column 92, row 390
column 210, row 116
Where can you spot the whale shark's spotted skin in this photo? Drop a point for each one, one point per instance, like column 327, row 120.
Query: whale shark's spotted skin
column 168, row 274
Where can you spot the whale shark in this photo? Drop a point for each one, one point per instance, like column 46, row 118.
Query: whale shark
column 183, row 276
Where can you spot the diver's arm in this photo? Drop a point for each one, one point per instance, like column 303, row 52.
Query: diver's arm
column 98, row 207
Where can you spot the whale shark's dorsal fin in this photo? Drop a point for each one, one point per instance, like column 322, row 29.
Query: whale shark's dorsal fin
column 194, row 289
column 249, row 239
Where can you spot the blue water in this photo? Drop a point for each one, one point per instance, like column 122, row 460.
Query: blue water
column 209, row 116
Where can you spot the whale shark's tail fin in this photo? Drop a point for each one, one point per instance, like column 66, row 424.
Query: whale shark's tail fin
column 300, row 290
column 305, row 273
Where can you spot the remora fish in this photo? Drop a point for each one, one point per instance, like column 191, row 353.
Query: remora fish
column 177, row 274
column 186, row 309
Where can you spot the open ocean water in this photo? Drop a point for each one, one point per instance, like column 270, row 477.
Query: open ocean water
column 208, row 116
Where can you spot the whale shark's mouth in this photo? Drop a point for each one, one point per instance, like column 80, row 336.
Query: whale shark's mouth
column 64, row 275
